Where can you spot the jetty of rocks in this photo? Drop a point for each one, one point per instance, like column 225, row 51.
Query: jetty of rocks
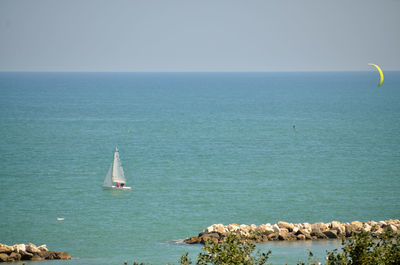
column 29, row 252
column 288, row 231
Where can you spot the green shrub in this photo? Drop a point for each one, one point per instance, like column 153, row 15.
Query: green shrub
column 231, row 251
column 361, row 249
column 364, row 249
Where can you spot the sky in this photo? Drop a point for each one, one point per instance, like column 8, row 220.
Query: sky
column 199, row 35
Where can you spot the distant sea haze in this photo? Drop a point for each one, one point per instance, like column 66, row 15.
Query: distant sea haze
column 197, row 149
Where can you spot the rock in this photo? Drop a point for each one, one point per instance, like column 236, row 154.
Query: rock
column 219, row 228
column 6, row 249
column 51, row 255
column 276, row 228
column 366, row 228
column 43, row 248
column 305, row 233
column 338, row 227
column 265, row 229
column 330, row 233
column 301, row 237
column 273, row 236
column 253, row 228
column 14, row 256
column 209, row 229
column 244, row 230
column 377, row 231
column 3, row 257
column 286, row 225
column 25, row 255
column 392, row 228
column 284, row 234
column 307, row 227
column 382, row 224
column 356, row 226
column 233, row 228
column 32, row 248
column 296, row 228
column 192, row 240
column 318, row 227
column 62, row 255
column 19, row 247
column 348, row 229
column 335, row 225
column 318, row 235
column 214, row 237
column 36, row 258
column 48, row 255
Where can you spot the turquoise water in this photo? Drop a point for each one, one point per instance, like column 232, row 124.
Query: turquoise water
column 198, row 149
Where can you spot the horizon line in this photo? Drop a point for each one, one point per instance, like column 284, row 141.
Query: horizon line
column 286, row 71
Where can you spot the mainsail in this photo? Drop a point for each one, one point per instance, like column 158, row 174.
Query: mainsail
column 117, row 170
column 108, row 181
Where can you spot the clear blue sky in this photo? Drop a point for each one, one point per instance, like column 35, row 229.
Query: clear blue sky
column 199, row 35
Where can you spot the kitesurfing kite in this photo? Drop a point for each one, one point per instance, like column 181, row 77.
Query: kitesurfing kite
column 380, row 73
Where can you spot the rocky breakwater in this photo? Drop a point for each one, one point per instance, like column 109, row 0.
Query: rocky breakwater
column 288, row 231
column 29, row 252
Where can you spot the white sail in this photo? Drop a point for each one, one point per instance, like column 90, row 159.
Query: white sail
column 108, row 181
column 117, row 170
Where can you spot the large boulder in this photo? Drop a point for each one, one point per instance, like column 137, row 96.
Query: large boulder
column 233, row 227
column 348, row 229
column 3, row 257
column 366, row 228
column 244, row 230
column 338, row 227
column 265, row 229
column 304, row 232
column 286, row 225
column 296, row 228
column 25, row 255
column 307, row 227
column 19, row 247
column 43, row 248
column 219, row 228
column 301, row 237
column 36, row 257
column 276, row 228
column 54, row 255
column 253, row 228
column 284, row 234
column 318, row 228
column 62, row 255
column 192, row 240
column 214, row 237
column 392, row 228
column 6, row 249
column 331, row 233
column 14, row 256
column 31, row 248
column 356, row 226
column 273, row 236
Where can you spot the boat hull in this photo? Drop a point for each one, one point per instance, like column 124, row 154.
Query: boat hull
column 117, row 188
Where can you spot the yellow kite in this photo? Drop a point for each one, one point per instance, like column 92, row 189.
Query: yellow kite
column 380, row 73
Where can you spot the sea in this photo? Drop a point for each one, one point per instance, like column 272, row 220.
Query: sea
column 197, row 149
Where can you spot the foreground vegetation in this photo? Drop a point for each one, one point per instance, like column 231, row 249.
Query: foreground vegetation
column 361, row 249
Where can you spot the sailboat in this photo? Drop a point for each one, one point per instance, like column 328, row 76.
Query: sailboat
column 115, row 178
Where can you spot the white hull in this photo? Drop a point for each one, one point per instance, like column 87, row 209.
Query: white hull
column 117, row 188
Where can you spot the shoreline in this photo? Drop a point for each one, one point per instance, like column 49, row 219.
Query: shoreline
column 284, row 231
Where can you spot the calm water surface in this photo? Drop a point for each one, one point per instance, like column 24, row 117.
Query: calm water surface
column 198, row 149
